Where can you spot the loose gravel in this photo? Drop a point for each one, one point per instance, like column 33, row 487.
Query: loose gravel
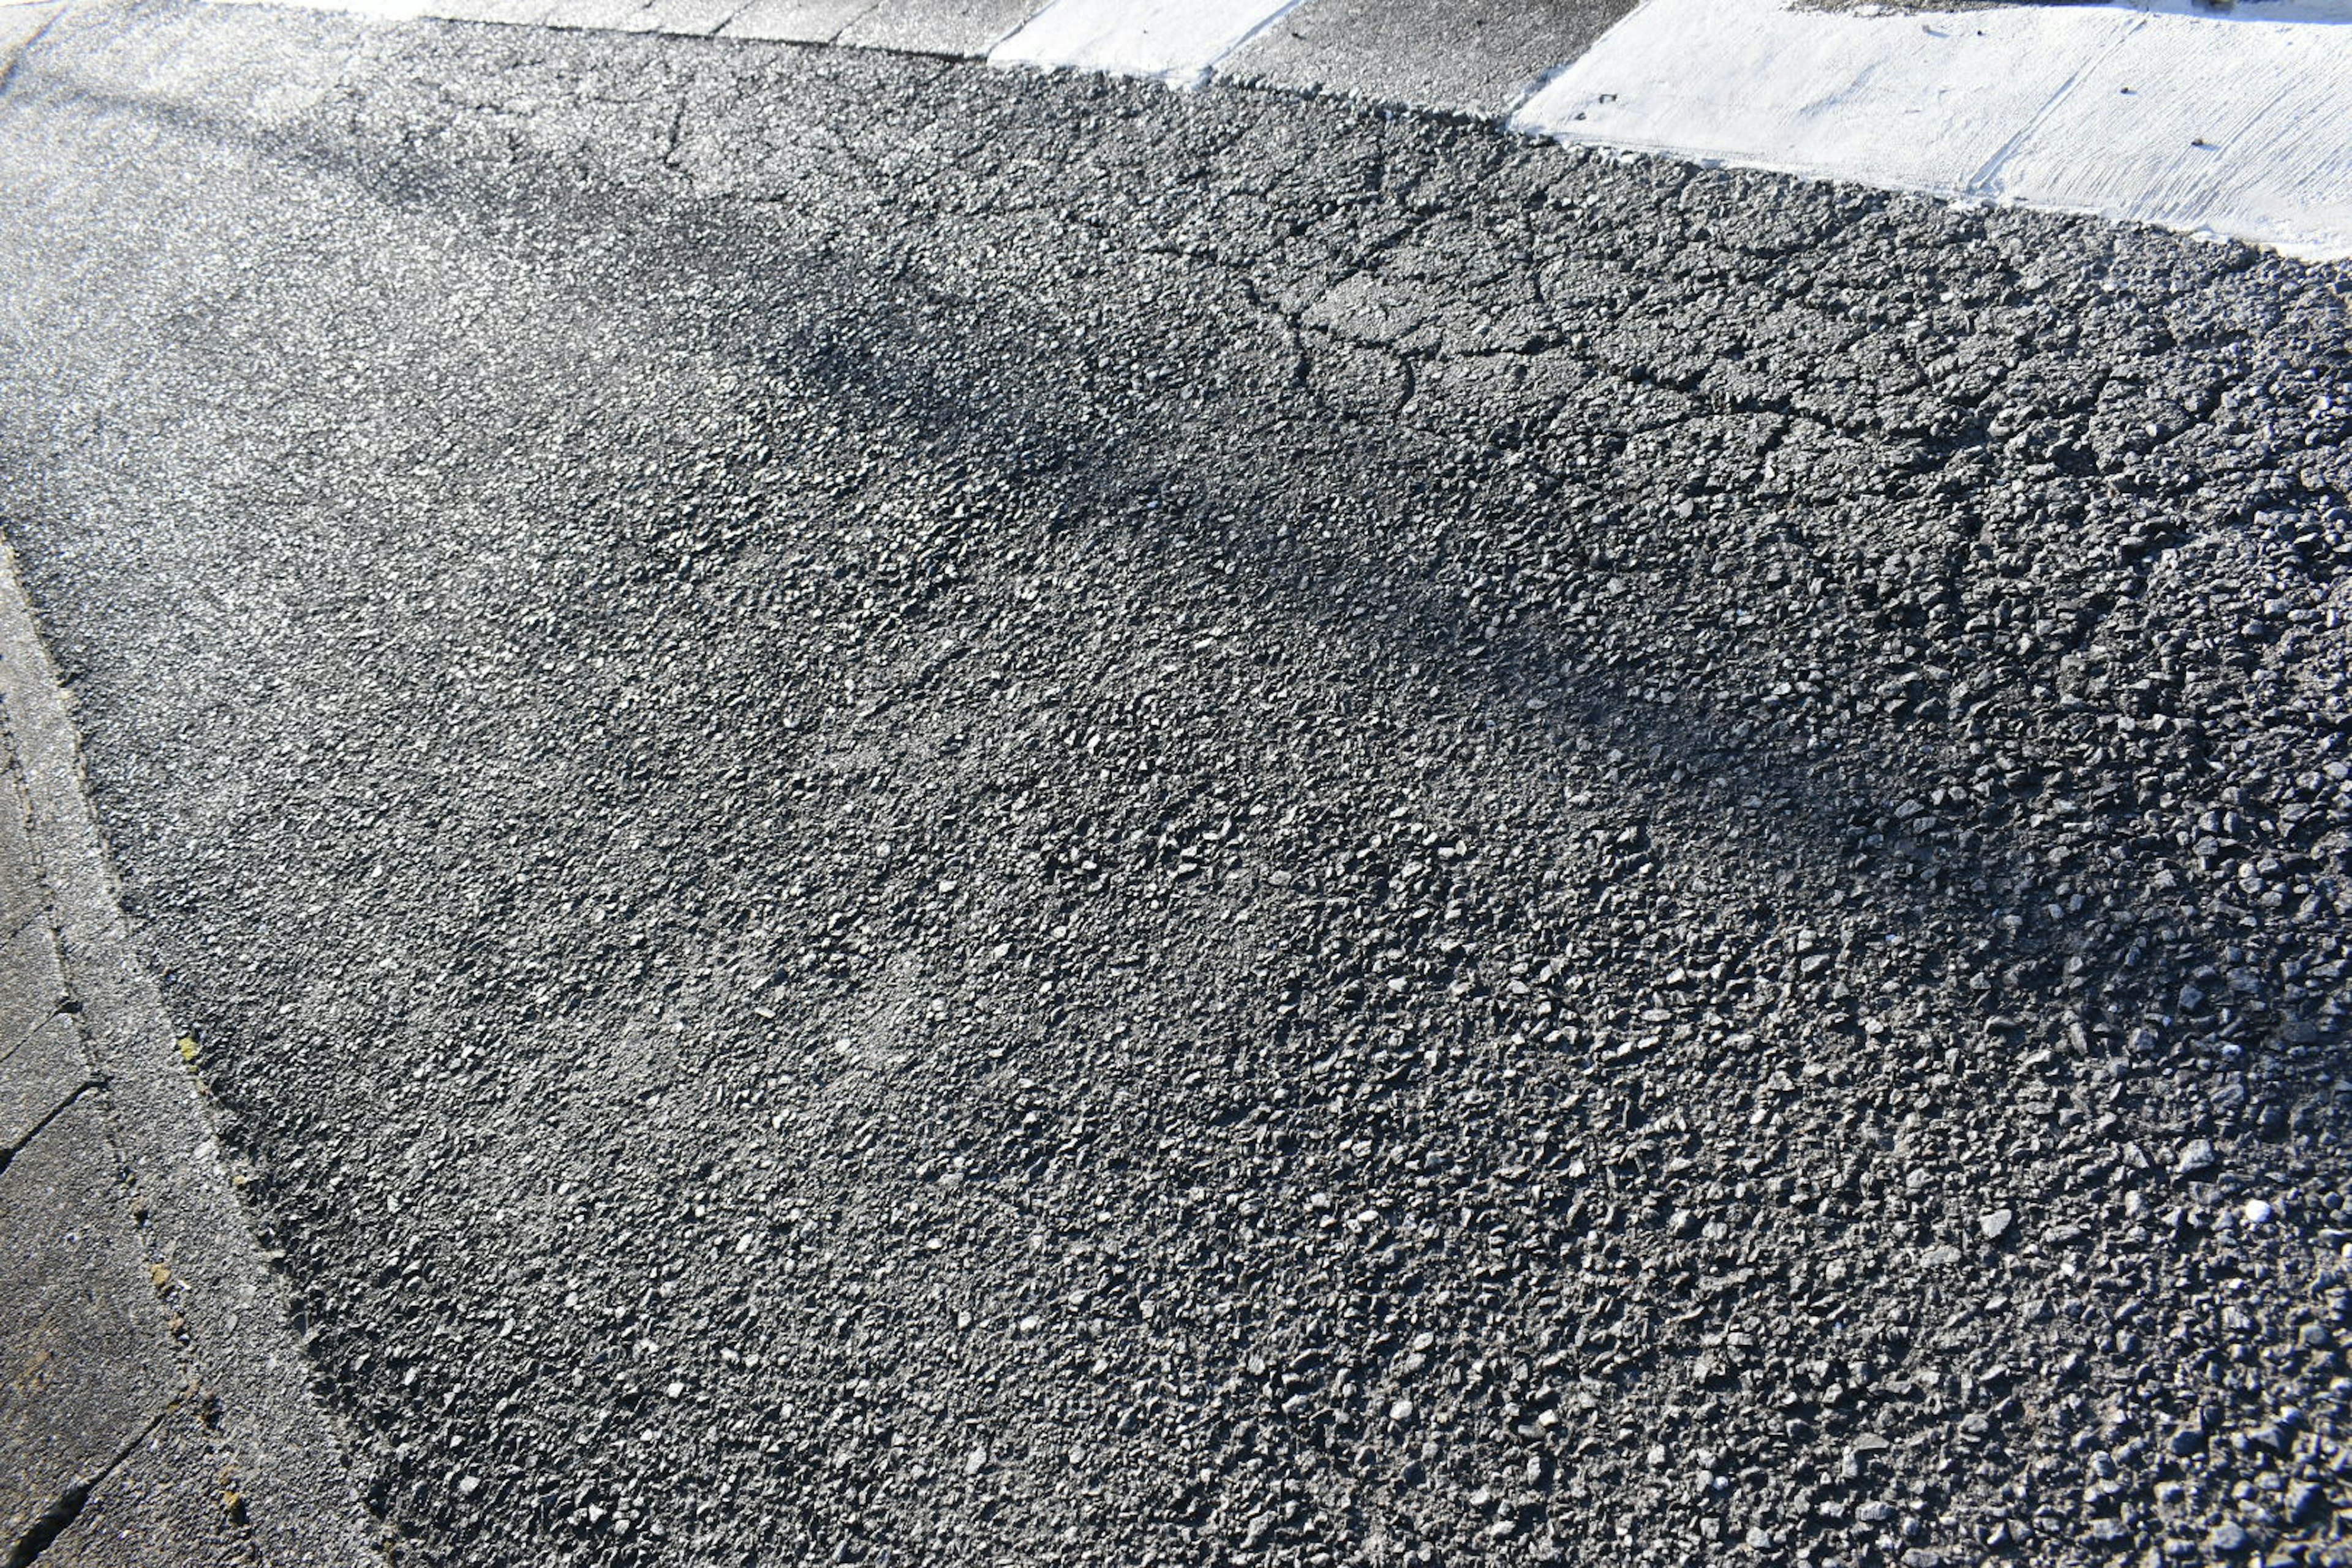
column 919, row 816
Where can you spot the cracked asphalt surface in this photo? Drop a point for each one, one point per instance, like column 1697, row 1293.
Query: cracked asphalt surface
column 922, row 816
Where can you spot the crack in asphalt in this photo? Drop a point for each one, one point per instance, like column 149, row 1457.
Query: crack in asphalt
column 1013, row 817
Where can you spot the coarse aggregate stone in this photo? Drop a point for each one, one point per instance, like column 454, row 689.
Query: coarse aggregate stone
column 924, row 816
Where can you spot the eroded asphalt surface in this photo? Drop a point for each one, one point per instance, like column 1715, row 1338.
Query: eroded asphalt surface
column 923, row 816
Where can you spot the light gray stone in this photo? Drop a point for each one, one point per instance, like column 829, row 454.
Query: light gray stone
column 37, row 1077
column 794, row 21
column 31, row 983
column 962, row 27
column 1468, row 56
column 173, row 1499
column 85, row 1361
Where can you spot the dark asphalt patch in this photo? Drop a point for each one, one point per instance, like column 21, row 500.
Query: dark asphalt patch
column 924, row 816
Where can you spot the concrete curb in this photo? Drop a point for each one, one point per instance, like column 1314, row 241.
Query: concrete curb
column 2155, row 112
column 282, row 1459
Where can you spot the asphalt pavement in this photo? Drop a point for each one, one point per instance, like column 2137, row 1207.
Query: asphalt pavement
column 921, row 815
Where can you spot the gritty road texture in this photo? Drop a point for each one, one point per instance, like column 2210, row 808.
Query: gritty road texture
column 936, row 817
column 155, row 1410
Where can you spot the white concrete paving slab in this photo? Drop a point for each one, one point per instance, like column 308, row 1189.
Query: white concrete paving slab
column 85, row 1361
column 1926, row 101
column 513, row 12
column 794, row 21
column 964, row 27
column 960, row 28
column 1176, row 40
column 2251, row 11
column 2193, row 121
column 2251, row 138
column 693, row 18
column 1466, row 57
column 386, row 10
column 604, row 15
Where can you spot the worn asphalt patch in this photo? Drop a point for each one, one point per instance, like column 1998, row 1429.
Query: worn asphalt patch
column 922, row 816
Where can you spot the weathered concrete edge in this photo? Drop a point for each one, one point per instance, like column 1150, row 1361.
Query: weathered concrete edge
column 1527, row 118
column 290, row 1463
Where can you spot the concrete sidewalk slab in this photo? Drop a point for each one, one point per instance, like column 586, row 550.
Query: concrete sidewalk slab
column 604, row 15
column 956, row 28
column 1465, row 57
column 2252, row 138
column 512, row 13
column 88, row 1364
column 132, row 1297
column 31, row 983
column 1177, row 43
column 172, row 1499
column 692, row 18
column 793, row 21
column 37, row 1077
column 20, row 876
column 960, row 27
column 2196, row 123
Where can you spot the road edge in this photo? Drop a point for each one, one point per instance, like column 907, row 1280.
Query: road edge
column 1826, row 131
column 292, row 1465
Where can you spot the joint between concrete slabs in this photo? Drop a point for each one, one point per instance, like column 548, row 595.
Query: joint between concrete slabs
column 27, row 1034
column 235, row 1342
column 41, row 1123
column 66, row 1510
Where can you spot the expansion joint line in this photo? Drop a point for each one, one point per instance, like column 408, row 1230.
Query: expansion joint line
column 67, row 1507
